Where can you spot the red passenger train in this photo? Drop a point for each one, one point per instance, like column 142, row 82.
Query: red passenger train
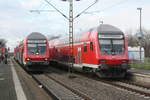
column 33, row 52
column 102, row 50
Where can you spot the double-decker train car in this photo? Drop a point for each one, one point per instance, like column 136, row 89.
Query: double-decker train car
column 102, row 50
column 33, row 52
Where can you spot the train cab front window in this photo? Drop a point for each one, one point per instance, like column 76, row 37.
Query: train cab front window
column 112, row 46
column 36, row 48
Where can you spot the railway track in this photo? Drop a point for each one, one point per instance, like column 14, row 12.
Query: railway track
column 132, row 87
column 129, row 86
column 140, row 77
column 136, row 84
column 30, row 86
column 84, row 96
column 135, row 88
column 59, row 90
column 125, row 85
column 138, row 89
column 56, row 89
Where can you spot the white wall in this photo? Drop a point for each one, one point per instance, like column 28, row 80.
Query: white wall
column 134, row 53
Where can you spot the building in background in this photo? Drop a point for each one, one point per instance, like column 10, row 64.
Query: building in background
column 134, row 53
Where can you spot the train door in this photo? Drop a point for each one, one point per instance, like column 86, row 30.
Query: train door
column 22, row 56
column 79, row 55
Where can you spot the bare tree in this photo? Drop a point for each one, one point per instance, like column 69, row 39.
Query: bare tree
column 145, row 41
column 132, row 40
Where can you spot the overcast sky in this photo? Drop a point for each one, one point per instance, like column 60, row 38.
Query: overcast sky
column 16, row 22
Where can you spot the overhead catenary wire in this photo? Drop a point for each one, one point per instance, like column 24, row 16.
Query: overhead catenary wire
column 56, row 9
column 42, row 6
column 38, row 11
column 86, row 9
column 107, row 8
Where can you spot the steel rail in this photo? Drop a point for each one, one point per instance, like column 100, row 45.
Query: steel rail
column 84, row 96
column 128, row 87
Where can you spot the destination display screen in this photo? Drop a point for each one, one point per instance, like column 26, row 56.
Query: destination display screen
column 102, row 36
column 36, row 41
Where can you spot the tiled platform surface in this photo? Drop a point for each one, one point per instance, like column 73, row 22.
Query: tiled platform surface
column 7, row 89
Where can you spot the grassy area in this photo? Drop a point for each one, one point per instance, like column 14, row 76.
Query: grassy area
column 145, row 65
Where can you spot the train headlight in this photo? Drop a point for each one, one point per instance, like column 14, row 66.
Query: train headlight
column 37, row 53
column 102, row 61
column 46, row 59
column 124, row 61
column 28, row 59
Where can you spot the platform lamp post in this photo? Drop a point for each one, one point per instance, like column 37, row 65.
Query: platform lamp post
column 140, row 35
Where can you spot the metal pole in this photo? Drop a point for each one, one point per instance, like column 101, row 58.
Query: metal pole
column 140, row 20
column 140, row 39
column 71, row 35
column 71, row 19
column 140, row 9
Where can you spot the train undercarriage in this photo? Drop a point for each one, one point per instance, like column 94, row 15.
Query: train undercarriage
column 112, row 71
column 101, row 72
column 36, row 66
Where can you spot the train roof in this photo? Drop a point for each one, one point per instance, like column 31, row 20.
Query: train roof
column 106, row 28
column 35, row 36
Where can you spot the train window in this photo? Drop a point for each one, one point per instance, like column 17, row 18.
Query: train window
column 41, row 44
column 31, row 45
column 118, row 41
column 112, row 46
column 38, row 48
column 105, row 42
column 91, row 46
column 85, row 47
column 36, row 41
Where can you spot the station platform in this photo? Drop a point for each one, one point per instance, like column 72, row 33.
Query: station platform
column 7, row 88
column 140, row 71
